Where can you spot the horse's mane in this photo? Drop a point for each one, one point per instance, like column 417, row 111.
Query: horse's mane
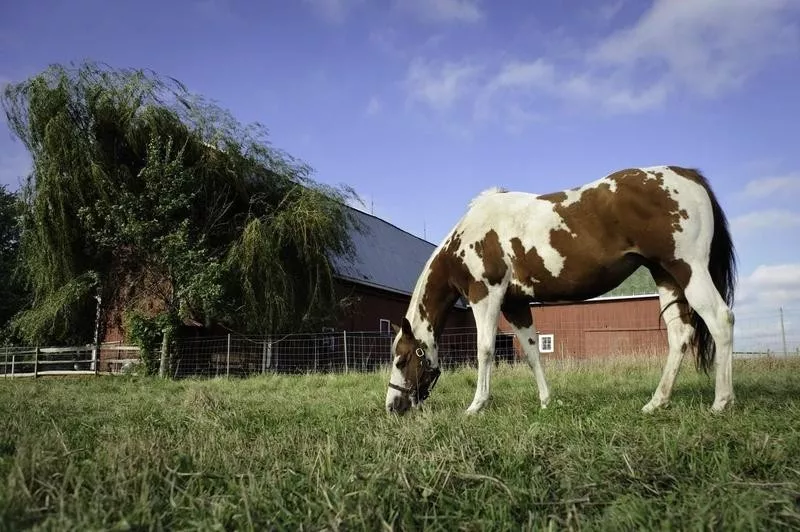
column 488, row 192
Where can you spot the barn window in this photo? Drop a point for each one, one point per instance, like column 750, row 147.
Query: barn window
column 545, row 343
column 385, row 328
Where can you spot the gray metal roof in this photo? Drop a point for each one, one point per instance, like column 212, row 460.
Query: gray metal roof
column 385, row 256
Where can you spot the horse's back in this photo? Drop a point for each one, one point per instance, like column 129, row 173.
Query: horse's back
column 585, row 239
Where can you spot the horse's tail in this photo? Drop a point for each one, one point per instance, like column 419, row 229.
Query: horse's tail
column 722, row 267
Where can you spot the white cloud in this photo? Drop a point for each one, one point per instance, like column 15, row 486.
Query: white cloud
column 217, row 10
column 374, row 106
column 607, row 12
column 468, row 11
column 439, row 85
column 759, row 298
column 767, row 219
column 703, row 48
column 544, row 78
column 769, row 186
column 518, row 74
column 333, row 11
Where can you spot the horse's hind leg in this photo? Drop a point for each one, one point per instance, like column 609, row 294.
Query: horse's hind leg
column 521, row 320
column 679, row 334
column 708, row 303
column 486, row 312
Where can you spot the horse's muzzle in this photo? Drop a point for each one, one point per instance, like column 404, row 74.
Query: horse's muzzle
column 400, row 404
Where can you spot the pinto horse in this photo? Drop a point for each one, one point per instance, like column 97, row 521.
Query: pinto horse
column 512, row 248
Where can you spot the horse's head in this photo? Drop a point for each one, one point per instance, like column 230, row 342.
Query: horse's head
column 413, row 374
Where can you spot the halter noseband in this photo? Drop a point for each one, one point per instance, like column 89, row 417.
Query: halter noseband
column 425, row 369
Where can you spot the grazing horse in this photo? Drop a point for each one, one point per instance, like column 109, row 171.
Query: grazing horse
column 512, row 248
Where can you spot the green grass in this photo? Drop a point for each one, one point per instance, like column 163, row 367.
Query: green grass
column 319, row 452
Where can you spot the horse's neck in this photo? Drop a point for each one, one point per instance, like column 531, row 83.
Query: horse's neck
column 428, row 320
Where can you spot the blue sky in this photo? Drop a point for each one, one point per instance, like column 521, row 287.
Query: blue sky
column 421, row 104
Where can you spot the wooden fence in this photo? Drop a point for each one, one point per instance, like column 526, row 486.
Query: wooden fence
column 64, row 361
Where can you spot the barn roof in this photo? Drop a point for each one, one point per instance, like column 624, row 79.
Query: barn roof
column 390, row 258
column 384, row 255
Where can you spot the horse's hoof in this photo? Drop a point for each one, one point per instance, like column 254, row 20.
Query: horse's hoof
column 651, row 407
column 720, row 406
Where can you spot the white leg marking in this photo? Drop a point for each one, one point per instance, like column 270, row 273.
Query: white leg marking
column 707, row 302
column 486, row 313
column 678, row 334
column 527, row 339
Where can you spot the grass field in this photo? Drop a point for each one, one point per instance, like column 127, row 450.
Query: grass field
column 319, row 452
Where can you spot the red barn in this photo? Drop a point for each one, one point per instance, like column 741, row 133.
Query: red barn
column 601, row 327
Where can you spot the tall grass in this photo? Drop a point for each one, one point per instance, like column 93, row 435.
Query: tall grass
column 318, row 452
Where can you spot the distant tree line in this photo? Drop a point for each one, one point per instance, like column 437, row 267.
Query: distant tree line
column 154, row 204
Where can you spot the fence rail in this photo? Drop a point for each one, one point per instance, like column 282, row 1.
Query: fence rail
column 62, row 361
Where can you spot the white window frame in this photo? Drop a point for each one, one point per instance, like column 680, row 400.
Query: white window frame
column 552, row 339
column 387, row 330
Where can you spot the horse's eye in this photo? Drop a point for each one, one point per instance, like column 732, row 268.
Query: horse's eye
column 401, row 363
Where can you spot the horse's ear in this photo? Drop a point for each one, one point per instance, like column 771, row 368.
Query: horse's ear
column 407, row 328
column 395, row 328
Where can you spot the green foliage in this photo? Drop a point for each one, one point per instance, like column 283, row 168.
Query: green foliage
column 14, row 295
column 66, row 304
column 319, row 452
column 170, row 204
column 639, row 283
column 147, row 333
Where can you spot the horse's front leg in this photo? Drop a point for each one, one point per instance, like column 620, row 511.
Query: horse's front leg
column 486, row 312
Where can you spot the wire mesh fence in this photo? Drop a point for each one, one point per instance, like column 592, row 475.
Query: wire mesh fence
column 563, row 341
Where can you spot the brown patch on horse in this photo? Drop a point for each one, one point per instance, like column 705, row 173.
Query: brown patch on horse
column 517, row 312
column 609, row 233
column 448, row 276
column 408, row 362
column 477, row 291
column 527, row 264
column 555, row 197
column 491, row 253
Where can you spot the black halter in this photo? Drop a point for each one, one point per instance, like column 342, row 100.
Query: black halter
column 426, row 369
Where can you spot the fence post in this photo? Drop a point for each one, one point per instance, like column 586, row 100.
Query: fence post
column 228, row 358
column 264, row 357
column 5, row 362
column 783, row 334
column 162, row 367
column 96, row 358
column 344, row 335
column 13, row 359
column 36, row 362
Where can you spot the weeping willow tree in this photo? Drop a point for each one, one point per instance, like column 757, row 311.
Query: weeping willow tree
column 151, row 199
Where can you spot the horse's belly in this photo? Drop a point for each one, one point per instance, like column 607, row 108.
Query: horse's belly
column 577, row 283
